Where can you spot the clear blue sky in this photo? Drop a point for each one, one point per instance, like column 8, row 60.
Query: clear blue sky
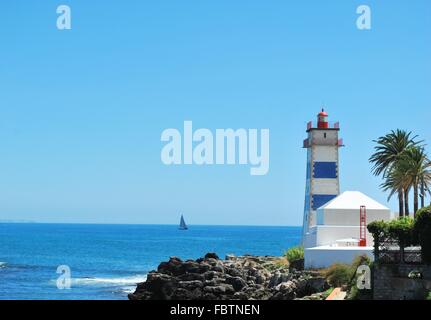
column 81, row 111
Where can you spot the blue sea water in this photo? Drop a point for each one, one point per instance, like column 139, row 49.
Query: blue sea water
column 106, row 261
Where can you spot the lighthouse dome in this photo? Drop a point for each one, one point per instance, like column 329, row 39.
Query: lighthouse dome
column 323, row 113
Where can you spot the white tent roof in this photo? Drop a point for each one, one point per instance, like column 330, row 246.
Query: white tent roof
column 353, row 200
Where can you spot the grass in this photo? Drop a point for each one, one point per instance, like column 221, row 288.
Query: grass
column 338, row 274
column 294, row 253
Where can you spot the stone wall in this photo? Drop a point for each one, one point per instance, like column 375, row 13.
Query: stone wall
column 392, row 282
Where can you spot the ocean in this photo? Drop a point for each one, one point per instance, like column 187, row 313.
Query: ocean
column 106, row 261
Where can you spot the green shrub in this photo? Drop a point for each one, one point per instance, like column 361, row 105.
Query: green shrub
column 294, row 253
column 428, row 297
column 338, row 274
column 402, row 230
column 422, row 228
column 377, row 228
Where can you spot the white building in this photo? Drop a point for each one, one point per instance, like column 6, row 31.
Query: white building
column 336, row 236
column 331, row 226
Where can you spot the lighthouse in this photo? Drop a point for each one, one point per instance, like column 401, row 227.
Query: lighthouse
column 322, row 176
column 334, row 223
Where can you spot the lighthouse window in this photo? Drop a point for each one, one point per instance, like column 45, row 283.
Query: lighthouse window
column 325, row 170
column 324, row 135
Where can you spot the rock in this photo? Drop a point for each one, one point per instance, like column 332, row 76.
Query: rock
column 213, row 282
column 218, row 268
column 158, row 286
column 191, row 267
column 317, row 284
column 220, row 289
column 240, row 296
column 297, row 264
column 285, row 291
column 190, row 285
column 235, row 278
column 191, row 277
column 182, row 294
column 173, row 266
column 209, row 275
column 234, row 272
column 211, row 255
column 277, row 278
column 237, row 283
column 211, row 261
column 260, row 279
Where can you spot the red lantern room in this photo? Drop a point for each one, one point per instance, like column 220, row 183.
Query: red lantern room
column 322, row 120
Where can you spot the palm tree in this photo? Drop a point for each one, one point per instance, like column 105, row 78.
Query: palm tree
column 388, row 151
column 397, row 181
column 417, row 168
column 423, row 191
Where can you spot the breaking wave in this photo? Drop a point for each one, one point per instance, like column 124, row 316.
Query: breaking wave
column 120, row 281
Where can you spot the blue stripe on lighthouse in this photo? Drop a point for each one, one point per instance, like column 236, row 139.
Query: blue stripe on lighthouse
column 325, row 170
column 319, row 200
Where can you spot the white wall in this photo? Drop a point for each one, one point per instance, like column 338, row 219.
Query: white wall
column 324, row 257
column 318, row 137
column 327, row 235
column 349, row 217
column 309, row 240
column 326, row 153
column 325, row 186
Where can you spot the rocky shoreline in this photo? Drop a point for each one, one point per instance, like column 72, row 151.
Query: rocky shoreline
column 233, row 278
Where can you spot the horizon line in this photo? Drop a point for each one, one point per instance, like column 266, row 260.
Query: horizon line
column 143, row 224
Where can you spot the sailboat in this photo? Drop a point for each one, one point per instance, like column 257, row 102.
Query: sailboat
column 183, row 225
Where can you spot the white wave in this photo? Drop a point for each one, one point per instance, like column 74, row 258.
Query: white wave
column 122, row 281
column 2, row 264
column 130, row 289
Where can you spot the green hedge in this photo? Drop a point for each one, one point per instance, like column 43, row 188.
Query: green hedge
column 406, row 231
column 422, row 228
column 400, row 230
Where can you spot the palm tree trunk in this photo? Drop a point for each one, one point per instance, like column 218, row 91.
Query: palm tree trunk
column 401, row 202
column 422, row 193
column 406, row 203
column 415, row 198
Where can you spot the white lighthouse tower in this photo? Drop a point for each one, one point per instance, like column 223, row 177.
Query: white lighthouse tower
column 322, row 182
